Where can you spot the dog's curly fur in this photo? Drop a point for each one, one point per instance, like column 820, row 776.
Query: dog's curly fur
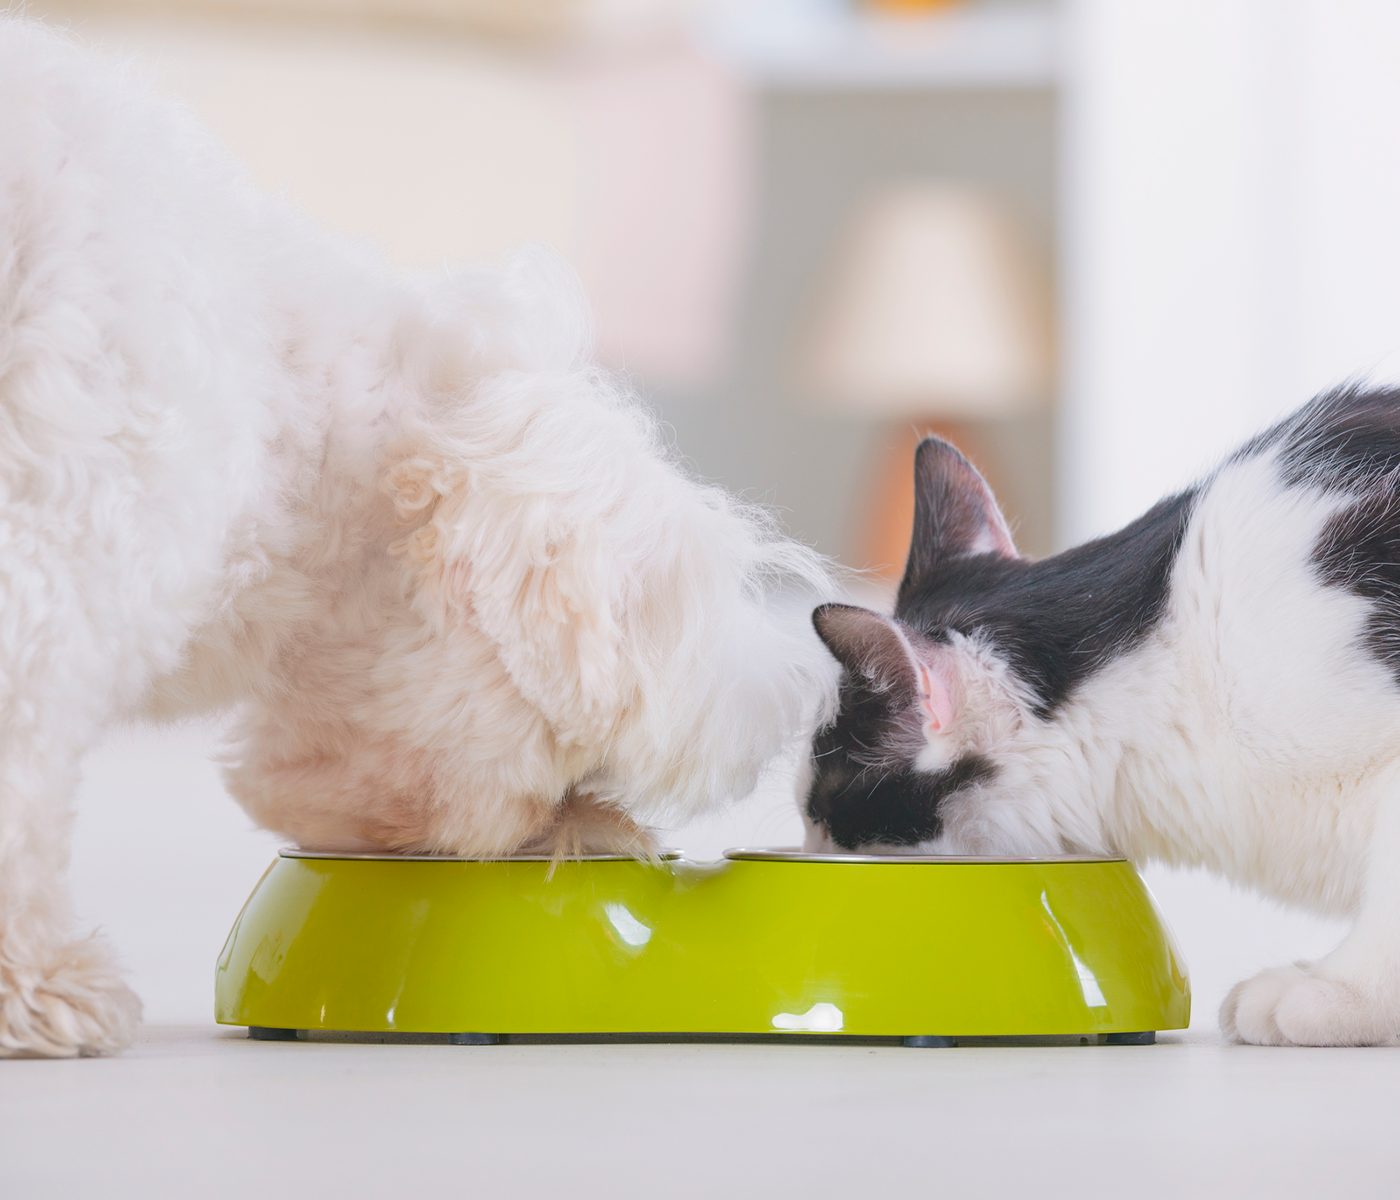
column 462, row 596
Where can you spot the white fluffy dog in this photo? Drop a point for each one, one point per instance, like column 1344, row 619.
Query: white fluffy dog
column 465, row 600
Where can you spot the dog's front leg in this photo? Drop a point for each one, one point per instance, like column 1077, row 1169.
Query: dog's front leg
column 59, row 996
column 1350, row 997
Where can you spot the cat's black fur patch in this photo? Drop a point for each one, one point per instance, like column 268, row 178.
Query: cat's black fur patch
column 894, row 806
column 857, row 794
column 1338, row 440
column 1349, row 440
column 1359, row 549
column 1059, row 620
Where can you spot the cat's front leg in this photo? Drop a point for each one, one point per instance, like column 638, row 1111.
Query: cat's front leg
column 1309, row 1004
column 1351, row 997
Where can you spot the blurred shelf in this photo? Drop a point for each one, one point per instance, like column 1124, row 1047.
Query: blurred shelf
column 791, row 46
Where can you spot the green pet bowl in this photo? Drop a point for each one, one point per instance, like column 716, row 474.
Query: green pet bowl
column 771, row 942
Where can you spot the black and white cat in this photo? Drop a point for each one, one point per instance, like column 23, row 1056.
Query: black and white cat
column 1216, row 684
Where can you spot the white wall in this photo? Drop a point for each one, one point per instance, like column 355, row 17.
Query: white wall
column 1171, row 256
column 1231, row 184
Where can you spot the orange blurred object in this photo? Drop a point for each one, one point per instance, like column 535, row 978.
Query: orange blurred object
column 909, row 6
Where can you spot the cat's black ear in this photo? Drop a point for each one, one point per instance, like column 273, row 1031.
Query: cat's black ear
column 955, row 512
column 870, row 646
column 877, row 651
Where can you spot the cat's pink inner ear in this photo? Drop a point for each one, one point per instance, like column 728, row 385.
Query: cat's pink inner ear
column 936, row 697
column 995, row 537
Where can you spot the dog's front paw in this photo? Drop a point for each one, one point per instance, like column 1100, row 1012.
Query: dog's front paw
column 73, row 1003
column 1300, row 1006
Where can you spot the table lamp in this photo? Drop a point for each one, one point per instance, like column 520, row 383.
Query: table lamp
column 934, row 320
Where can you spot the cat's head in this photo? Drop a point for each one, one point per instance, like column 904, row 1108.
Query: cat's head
column 928, row 706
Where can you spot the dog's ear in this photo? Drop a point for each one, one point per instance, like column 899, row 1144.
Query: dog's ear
column 517, row 486
column 503, row 534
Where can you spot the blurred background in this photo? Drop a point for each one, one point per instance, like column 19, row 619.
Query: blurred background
column 1096, row 242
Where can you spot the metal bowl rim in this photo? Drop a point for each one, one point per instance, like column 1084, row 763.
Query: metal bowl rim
column 781, row 854
column 790, row 854
column 379, row 856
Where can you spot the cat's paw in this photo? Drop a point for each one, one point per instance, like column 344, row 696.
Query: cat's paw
column 1299, row 1006
column 73, row 1003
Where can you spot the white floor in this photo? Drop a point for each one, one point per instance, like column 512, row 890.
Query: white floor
column 197, row 1112
column 164, row 860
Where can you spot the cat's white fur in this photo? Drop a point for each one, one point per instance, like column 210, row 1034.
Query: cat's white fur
column 1252, row 732
column 464, row 598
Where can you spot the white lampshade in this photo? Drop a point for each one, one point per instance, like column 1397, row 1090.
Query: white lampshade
column 934, row 310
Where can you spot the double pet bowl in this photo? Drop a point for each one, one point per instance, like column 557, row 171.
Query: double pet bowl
column 765, row 942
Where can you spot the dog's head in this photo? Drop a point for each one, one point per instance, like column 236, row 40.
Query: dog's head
column 547, row 608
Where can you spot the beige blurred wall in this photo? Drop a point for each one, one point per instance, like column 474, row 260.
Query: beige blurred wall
column 442, row 146
column 435, row 146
